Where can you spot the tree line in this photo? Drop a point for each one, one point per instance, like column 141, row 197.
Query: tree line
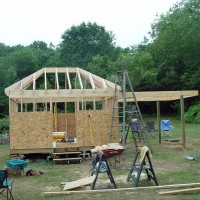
column 167, row 59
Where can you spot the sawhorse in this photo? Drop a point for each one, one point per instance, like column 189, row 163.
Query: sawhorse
column 145, row 164
column 101, row 165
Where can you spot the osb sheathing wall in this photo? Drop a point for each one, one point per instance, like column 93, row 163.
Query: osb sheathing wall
column 93, row 127
column 66, row 122
column 33, row 130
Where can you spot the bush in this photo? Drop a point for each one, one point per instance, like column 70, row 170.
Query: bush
column 4, row 125
column 193, row 114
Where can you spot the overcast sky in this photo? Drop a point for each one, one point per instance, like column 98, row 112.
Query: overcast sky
column 24, row 21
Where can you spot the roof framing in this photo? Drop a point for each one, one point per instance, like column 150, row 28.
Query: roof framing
column 160, row 95
column 95, row 87
column 99, row 88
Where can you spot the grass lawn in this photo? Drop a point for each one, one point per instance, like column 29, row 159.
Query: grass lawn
column 168, row 160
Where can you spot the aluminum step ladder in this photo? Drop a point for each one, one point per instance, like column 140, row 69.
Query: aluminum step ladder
column 127, row 113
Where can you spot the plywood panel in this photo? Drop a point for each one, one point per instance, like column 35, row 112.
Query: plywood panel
column 100, row 127
column 66, row 122
column 71, row 124
column 79, row 183
column 18, row 137
column 34, row 129
column 31, row 130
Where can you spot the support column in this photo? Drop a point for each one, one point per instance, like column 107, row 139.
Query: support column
column 158, row 121
column 183, row 122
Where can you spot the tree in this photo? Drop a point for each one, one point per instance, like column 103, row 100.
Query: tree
column 81, row 43
column 140, row 66
column 46, row 56
column 24, row 61
column 175, row 46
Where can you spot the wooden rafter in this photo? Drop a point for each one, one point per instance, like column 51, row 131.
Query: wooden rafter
column 45, row 79
column 79, row 78
column 34, row 81
column 57, row 82
column 91, row 81
column 97, row 79
column 100, row 89
column 21, row 87
column 68, row 79
column 26, row 82
column 104, row 85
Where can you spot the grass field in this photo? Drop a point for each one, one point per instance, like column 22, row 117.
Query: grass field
column 168, row 160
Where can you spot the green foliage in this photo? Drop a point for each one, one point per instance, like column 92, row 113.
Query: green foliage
column 4, row 125
column 81, row 43
column 175, row 46
column 193, row 114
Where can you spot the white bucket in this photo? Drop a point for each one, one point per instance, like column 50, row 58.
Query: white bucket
column 75, row 139
column 54, row 144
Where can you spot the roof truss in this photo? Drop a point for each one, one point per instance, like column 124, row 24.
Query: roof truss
column 71, row 84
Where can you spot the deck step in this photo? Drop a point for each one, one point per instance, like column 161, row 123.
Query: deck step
column 67, row 153
column 63, row 159
column 67, row 157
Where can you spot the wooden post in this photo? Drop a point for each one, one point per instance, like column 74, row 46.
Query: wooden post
column 34, row 105
column 183, row 122
column 78, row 104
column 94, row 104
column 51, row 105
column 13, row 106
column 158, row 121
column 21, row 103
column 82, row 106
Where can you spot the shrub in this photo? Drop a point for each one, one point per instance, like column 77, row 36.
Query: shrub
column 4, row 125
column 193, row 114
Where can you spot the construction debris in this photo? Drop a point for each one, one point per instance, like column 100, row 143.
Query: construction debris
column 78, row 183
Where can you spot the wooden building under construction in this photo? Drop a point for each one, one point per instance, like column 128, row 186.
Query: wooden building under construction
column 70, row 109
column 66, row 108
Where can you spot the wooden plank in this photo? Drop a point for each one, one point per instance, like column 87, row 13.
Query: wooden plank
column 28, row 151
column 79, row 78
column 122, row 189
column 66, row 153
column 91, row 81
column 26, row 82
column 57, row 82
column 79, row 183
column 141, row 96
column 61, row 69
column 68, row 79
column 184, row 191
column 34, row 81
column 104, row 85
column 158, row 122
column 183, row 122
column 60, row 159
column 97, row 79
column 63, row 93
column 159, row 95
column 45, row 79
